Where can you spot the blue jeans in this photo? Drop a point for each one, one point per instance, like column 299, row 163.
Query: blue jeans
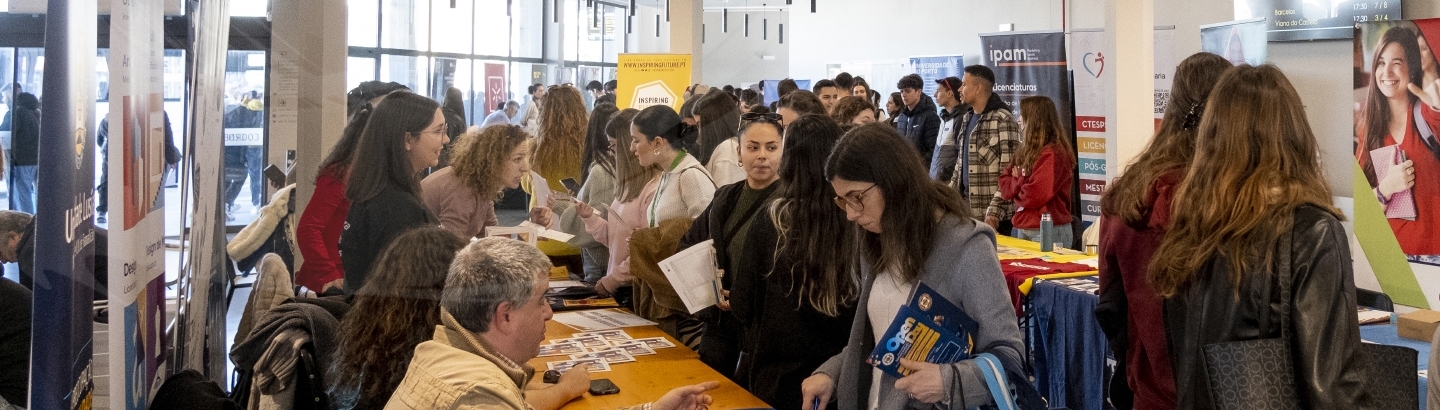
column 22, row 188
column 1060, row 234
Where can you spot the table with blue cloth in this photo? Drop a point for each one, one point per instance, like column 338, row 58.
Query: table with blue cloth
column 1386, row 334
column 1070, row 351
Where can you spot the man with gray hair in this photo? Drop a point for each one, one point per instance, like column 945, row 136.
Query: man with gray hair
column 504, row 114
column 492, row 321
column 17, row 245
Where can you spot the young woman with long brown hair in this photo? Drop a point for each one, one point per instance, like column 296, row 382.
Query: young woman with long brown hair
column 612, row 223
column 1041, row 176
column 483, row 164
column 561, row 140
column 1135, row 213
column 1254, row 228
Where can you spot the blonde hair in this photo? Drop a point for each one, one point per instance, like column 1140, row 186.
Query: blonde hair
column 479, row 157
column 563, row 123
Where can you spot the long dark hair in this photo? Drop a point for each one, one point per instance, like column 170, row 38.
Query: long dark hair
column 337, row 164
column 597, row 144
column 876, row 153
column 454, row 108
column 396, row 310
column 630, row 177
column 660, row 121
column 380, row 156
column 1173, row 146
column 1377, row 108
column 810, row 226
column 719, row 116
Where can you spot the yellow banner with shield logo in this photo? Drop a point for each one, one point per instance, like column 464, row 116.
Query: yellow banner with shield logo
column 651, row 79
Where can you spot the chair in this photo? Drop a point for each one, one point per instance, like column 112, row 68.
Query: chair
column 1374, row 300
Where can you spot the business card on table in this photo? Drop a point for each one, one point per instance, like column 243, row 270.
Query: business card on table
column 587, row 341
column 560, row 348
column 611, row 355
column 656, row 342
column 608, row 334
column 634, row 348
column 596, row 365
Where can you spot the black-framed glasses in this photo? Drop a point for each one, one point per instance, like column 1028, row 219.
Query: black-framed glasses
column 749, row 117
column 857, row 202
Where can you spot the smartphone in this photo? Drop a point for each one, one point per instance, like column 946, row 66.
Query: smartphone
column 601, row 387
column 571, row 185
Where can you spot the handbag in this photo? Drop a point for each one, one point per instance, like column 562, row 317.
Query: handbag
column 1257, row 374
column 1010, row 391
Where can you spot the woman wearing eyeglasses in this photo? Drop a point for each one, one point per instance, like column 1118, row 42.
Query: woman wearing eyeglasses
column 404, row 136
column 914, row 232
column 726, row 221
column 794, row 291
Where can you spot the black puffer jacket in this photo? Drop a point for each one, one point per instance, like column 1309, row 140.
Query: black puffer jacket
column 1325, row 335
column 920, row 126
column 26, row 131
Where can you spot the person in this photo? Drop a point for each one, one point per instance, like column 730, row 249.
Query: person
column 24, row 155
column 634, row 188
column 796, row 104
column 844, row 85
column 793, row 293
column 455, row 123
column 916, row 230
column 486, row 162
column 1040, row 178
column 990, row 136
column 536, row 92
column 684, row 187
column 491, row 321
column 15, row 307
column 1135, row 212
column 1253, row 199
column 892, row 108
column 718, row 116
column 317, row 234
column 862, row 89
column 244, row 162
column 17, row 245
column 609, row 96
column 690, row 133
column 750, row 98
column 726, row 220
column 1393, row 115
column 397, row 309
column 942, row 161
column 503, row 114
column 562, row 137
column 598, row 187
column 917, row 120
column 782, row 89
column 596, row 90
column 828, row 93
column 853, row 110
column 403, row 137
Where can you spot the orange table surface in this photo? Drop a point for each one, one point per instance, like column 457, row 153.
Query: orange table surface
column 650, row 376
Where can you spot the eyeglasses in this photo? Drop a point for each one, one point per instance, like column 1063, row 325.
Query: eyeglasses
column 749, row 117
column 856, row 201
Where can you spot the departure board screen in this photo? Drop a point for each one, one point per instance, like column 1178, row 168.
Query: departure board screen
column 1294, row 20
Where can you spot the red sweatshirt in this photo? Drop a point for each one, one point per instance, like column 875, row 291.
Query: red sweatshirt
column 1044, row 188
column 319, row 233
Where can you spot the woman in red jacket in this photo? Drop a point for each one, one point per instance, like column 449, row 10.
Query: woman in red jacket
column 1040, row 177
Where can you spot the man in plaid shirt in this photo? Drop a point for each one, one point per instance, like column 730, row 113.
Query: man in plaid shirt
column 990, row 136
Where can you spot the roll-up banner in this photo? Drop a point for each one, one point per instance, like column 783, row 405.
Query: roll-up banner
column 137, row 342
column 933, row 68
column 62, row 321
column 1094, row 106
column 1396, row 219
column 1165, row 62
column 652, row 79
column 494, row 87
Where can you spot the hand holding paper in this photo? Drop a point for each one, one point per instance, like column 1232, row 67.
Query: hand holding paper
column 692, row 274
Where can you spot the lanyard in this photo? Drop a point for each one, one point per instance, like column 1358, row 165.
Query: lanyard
column 664, row 180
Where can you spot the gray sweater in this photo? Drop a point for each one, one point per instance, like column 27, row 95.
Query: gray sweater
column 965, row 269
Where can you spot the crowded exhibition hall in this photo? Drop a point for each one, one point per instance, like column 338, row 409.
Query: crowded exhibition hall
column 719, row 204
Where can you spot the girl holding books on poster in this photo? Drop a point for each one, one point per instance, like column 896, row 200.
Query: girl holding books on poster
column 913, row 233
column 1393, row 150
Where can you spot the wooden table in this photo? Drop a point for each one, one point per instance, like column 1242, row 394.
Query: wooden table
column 650, row 376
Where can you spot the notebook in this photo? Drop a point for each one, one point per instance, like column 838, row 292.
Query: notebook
column 1402, row 204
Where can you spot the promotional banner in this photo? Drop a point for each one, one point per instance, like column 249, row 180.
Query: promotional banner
column 1165, row 61
column 1094, row 106
column 934, row 68
column 62, row 322
column 1241, row 42
column 1396, row 218
column 494, row 87
column 772, row 89
column 652, row 79
column 137, row 245
column 1030, row 64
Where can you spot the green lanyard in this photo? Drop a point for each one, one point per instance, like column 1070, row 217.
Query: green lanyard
column 664, row 180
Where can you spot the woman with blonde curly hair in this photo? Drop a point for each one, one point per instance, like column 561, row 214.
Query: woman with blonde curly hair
column 563, row 125
column 485, row 162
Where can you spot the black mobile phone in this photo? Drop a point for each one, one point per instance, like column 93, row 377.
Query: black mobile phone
column 601, row 387
column 551, row 376
column 571, row 185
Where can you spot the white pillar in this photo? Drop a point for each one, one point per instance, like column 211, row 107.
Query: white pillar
column 1133, row 22
column 686, row 22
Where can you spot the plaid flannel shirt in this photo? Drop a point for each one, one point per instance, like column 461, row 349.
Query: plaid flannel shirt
column 991, row 147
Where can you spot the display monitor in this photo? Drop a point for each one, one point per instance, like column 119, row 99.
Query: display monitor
column 1295, row 20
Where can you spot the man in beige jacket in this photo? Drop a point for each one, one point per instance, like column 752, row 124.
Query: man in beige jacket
column 492, row 321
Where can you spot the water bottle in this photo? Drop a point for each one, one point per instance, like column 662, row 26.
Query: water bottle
column 1047, row 233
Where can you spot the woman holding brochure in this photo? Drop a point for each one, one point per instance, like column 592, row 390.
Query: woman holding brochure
column 873, row 172
column 482, row 165
column 634, row 187
column 793, row 291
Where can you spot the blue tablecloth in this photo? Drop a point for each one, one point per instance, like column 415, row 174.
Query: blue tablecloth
column 1385, row 334
column 1070, row 350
